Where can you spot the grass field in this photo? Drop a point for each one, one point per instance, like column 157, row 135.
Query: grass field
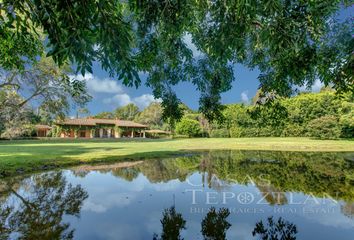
column 33, row 155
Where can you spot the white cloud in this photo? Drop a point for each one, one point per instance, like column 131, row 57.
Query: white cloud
column 118, row 99
column 316, row 87
column 94, row 207
column 124, row 99
column 115, row 93
column 98, row 85
column 111, row 200
column 145, row 100
column 244, row 97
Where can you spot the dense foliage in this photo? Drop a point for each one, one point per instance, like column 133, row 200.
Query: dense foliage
column 292, row 42
column 188, row 127
column 44, row 87
column 322, row 115
column 42, row 209
column 326, row 127
column 152, row 116
column 273, row 173
column 128, row 112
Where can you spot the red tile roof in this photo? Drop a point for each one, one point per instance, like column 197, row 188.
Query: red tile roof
column 96, row 121
column 40, row 126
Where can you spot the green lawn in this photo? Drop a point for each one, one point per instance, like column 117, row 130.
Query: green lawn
column 33, row 155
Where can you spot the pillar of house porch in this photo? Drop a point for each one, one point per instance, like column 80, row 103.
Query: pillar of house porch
column 117, row 134
column 101, row 132
column 109, row 131
column 132, row 135
column 92, row 133
column 144, row 134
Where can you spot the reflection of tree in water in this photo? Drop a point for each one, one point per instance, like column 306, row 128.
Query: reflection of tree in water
column 213, row 182
column 129, row 174
column 162, row 170
column 315, row 173
column 37, row 212
column 80, row 173
column 172, row 224
column 272, row 195
column 348, row 210
column 275, row 230
column 312, row 172
column 215, row 225
column 4, row 230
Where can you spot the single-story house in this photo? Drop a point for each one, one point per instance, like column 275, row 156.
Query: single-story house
column 42, row 130
column 99, row 128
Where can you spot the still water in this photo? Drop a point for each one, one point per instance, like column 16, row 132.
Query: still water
column 209, row 195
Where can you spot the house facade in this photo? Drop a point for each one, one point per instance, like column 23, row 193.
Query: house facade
column 42, row 130
column 99, row 128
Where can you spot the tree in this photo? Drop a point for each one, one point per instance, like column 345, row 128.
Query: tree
column 347, row 124
column 128, row 112
column 291, row 117
column 43, row 85
column 275, row 230
column 82, row 111
column 14, row 121
column 17, row 48
column 39, row 213
column 172, row 224
column 46, row 85
column 188, row 127
column 326, row 127
column 290, row 42
column 107, row 115
column 151, row 115
column 215, row 225
column 185, row 109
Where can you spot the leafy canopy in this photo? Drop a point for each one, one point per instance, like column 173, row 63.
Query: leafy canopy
column 128, row 112
column 292, row 42
column 188, row 127
column 44, row 86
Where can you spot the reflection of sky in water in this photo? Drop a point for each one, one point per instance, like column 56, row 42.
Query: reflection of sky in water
column 120, row 209
column 128, row 202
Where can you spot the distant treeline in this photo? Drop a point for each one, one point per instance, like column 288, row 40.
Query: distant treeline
column 324, row 115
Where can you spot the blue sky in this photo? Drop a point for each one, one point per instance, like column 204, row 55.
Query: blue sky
column 108, row 93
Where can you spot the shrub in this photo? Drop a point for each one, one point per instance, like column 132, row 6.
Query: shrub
column 268, row 132
column 347, row 126
column 22, row 131
column 293, row 130
column 236, row 132
column 250, row 132
column 326, row 127
column 188, row 127
column 219, row 133
column 50, row 133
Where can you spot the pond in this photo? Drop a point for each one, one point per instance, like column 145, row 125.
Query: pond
column 206, row 195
